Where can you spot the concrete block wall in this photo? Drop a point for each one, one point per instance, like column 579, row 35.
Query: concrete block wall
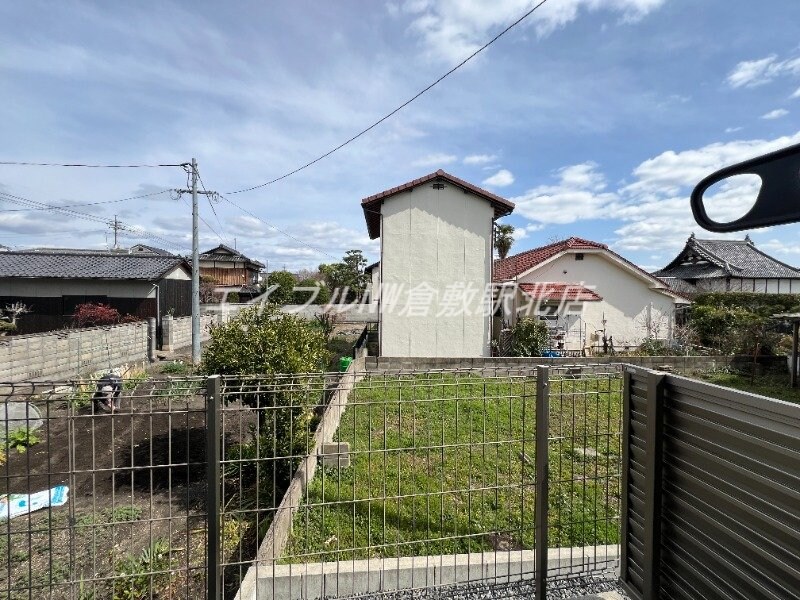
column 70, row 353
column 177, row 333
column 679, row 364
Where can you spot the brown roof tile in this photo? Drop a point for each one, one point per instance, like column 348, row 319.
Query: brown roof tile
column 371, row 204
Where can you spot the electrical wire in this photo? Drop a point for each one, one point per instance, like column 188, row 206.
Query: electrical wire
column 89, row 203
column 208, row 196
column 199, row 216
column 398, row 109
column 43, row 164
column 87, row 217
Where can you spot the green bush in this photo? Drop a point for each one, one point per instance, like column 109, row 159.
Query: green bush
column 233, row 297
column 322, row 296
column 265, row 347
column 284, row 293
column 528, row 337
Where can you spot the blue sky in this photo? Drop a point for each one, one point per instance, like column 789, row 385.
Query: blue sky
column 595, row 116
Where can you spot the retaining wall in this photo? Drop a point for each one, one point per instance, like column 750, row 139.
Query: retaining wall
column 680, row 364
column 177, row 332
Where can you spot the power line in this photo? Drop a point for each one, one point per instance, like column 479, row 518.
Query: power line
column 399, row 108
column 214, row 210
column 89, row 203
column 271, row 226
column 199, row 216
column 87, row 166
column 87, row 217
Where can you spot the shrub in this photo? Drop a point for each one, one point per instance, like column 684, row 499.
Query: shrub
column 284, row 293
column 233, row 297
column 264, row 346
column 91, row 315
column 322, row 295
column 528, row 337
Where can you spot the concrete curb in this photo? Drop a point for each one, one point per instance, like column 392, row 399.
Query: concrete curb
column 347, row 578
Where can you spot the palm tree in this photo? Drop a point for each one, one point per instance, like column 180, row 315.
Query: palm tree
column 504, row 239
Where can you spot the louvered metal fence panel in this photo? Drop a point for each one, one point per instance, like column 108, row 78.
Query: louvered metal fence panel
column 722, row 483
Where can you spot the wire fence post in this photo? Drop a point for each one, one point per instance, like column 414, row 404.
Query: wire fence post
column 213, row 449
column 542, row 476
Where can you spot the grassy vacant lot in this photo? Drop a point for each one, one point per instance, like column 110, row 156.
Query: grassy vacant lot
column 773, row 385
column 444, row 463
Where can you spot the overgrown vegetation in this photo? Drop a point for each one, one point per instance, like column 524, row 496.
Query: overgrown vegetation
column 771, row 384
column 528, row 337
column 139, row 577
column 346, row 279
column 175, row 367
column 740, row 322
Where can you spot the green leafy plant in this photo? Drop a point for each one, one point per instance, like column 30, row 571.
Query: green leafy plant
column 125, row 514
column 22, row 439
column 175, row 367
column 528, row 337
column 284, row 291
column 311, row 290
column 136, row 576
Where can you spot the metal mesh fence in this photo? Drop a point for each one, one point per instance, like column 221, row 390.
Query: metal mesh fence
column 102, row 504
column 328, row 485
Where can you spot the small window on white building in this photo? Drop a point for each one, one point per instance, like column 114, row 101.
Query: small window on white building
column 579, row 256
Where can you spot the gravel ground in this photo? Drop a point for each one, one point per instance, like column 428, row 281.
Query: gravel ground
column 583, row 588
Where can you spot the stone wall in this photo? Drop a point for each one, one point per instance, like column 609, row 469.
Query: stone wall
column 70, row 353
column 177, row 332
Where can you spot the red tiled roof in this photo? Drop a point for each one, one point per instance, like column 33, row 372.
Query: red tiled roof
column 371, row 204
column 513, row 266
column 560, row 292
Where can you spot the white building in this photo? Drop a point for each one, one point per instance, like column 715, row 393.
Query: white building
column 585, row 292
column 728, row 266
column 436, row 265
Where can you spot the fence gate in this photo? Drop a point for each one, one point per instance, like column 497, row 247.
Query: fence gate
column 712, row 501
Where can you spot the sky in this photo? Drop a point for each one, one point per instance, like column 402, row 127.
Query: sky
column 596, row 117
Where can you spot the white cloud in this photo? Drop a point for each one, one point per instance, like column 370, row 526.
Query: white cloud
column 502, row 178
column 796, row 94
column 775, row 114
column 752, row 73
column 453, row 29
column 434, row 160
column 579, row 194
column 732, row 129
column 479, row 159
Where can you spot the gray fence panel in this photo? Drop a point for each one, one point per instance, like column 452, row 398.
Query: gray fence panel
column 729, row 520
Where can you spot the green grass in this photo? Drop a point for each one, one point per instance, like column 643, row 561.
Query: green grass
column 446, row 465
column 772, row 385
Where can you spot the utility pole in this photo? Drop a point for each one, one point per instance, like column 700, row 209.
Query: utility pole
column 116, row 227
column 195, row 263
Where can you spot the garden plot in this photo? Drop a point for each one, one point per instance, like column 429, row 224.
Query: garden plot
column 134, row 521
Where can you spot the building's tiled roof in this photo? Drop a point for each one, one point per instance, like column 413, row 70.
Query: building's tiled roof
column 86, row 264
column 513, row 266
column 559, row 291
column 223, row 253
column 703, row 259
column 145, row 249
column 371, row 204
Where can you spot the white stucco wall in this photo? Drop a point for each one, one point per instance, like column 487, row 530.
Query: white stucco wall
column 75, row 287
column 434, row 241
column 628, row 304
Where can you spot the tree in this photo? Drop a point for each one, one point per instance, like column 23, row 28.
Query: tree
column 306, row 292
column 346, row 280
column 284, row 293
column 10, row 314
column 503, row 239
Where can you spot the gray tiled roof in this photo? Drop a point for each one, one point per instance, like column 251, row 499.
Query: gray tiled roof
column 223, row 253
column 86, row 265
column 726, row 258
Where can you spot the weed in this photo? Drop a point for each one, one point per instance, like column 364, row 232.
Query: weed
column 125, row 514
column 22, row 439
column 133, row 378
column 175, row 367
column 137, row 576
